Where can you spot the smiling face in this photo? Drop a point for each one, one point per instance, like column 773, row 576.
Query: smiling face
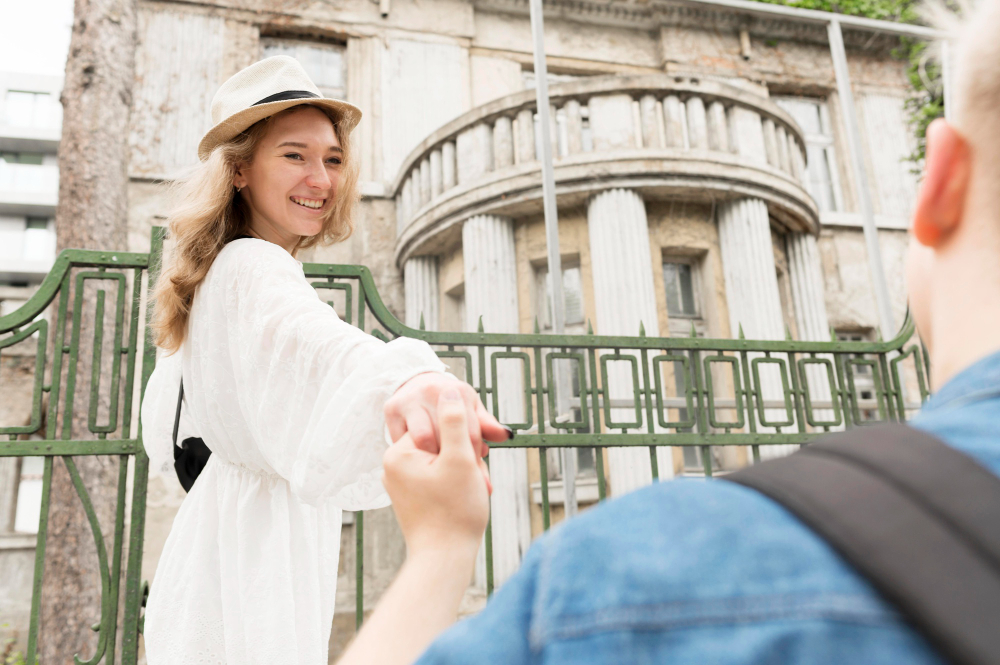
column 291, row 183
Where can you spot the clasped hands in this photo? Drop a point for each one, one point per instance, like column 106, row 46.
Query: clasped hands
column 434, row 472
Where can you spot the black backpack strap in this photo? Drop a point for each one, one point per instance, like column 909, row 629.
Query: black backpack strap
column 919, row 519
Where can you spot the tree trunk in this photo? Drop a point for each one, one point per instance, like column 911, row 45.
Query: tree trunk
column 92, row 214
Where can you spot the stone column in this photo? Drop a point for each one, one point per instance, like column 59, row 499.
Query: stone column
column 624, row 298
column 420, row 279
column 491, row 292
column 752, row 288
column 805, row 272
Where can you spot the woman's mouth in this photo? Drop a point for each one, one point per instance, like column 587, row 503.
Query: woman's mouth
column 313, row 204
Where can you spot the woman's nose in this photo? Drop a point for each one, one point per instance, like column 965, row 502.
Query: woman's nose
column 317, row 177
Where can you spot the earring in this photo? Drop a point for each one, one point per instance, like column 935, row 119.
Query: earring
column 239, row 189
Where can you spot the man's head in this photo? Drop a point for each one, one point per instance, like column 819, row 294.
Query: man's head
column 953, row 267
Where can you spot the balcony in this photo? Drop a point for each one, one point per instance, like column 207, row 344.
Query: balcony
column 664, row 136
column 30, row 112
column 28, row 189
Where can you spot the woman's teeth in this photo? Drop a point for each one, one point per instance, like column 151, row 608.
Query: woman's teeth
column 309, row 203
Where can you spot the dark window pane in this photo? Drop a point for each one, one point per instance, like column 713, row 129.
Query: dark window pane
column 679, row 286
column 687, row 290
column 670, row 280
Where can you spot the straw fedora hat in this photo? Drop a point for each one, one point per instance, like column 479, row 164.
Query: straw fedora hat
column 261, row 90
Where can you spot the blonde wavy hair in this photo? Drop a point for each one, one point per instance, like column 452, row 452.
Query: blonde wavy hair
column 208, row 214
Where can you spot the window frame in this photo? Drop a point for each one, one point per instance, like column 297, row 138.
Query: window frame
column 299, row 41
column 680, row 324
column 826, row 140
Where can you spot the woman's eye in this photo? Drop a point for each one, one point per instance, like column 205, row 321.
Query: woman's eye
column 333, row 160
column 294, row 155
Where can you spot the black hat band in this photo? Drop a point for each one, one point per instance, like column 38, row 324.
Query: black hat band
column 286, row 95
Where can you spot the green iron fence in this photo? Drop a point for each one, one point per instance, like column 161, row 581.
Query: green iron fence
column 681, row 392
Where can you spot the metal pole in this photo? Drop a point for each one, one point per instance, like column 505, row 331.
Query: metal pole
column 946, row 81
column 817, row 17
column 552, row 237
column 848, row 110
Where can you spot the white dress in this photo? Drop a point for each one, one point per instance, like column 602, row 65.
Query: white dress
column 289, row 398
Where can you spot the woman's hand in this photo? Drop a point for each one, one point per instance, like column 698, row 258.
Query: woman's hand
column 413, row 410
column 441, row 500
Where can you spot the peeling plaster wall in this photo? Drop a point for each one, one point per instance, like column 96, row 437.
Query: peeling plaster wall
column 181, row 60
column 850, row 300
column 424, row 85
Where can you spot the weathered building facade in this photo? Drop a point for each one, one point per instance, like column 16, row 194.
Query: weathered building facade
column 701, row 176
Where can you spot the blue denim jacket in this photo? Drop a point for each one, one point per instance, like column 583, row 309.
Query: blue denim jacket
column 695, row 571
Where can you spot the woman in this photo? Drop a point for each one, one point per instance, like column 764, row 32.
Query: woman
column 289, row 398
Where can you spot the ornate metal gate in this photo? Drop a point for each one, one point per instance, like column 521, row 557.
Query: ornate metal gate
column 688, row 393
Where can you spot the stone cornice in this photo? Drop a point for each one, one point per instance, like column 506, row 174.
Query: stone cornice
column 660, row 13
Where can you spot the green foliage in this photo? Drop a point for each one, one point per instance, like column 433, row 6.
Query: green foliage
column 886, row 10
column 9, row 655
column 926, row 101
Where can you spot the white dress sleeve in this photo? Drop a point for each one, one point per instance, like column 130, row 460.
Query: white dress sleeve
column 310, row 386
column 159, row 408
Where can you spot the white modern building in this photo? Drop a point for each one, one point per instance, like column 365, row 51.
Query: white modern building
column 30, row 128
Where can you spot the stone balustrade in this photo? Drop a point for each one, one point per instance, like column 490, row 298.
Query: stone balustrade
column 665, row 136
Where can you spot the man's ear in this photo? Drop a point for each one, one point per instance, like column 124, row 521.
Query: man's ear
column 941, row 199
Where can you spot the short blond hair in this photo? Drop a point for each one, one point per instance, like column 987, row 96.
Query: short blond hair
column 972, row 32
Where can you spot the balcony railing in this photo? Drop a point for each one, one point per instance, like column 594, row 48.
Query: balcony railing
column 29, row 184
column 664, row 135
column 30, row 121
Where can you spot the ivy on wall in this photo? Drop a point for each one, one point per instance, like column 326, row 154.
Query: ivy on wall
column 926, row 102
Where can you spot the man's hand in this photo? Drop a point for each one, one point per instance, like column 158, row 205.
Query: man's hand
column 413, row 410
column 441, row 500
column 442, row 504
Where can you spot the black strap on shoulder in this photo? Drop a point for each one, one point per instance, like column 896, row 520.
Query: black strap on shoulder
column 177, row 415
column 919, row 519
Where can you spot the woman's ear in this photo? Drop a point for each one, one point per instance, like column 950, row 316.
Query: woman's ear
column 239, row 180
column 941, row 199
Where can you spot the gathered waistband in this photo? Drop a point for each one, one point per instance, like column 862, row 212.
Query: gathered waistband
column 243, row 468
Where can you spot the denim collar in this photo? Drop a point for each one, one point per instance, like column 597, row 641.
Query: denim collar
column 979, row 381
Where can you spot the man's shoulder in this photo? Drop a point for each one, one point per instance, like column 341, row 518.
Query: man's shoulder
column 972, row 428
column 686, row 571
column 693, row 553
column 735, row 538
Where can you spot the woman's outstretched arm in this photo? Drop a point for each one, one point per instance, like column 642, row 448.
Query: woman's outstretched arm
column 442, row 504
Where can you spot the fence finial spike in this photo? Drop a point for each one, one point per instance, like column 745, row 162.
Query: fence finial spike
column 422, row 326
column 694, row 333
column 833, row 334
column 642, row 329
column 879, row 335
column 481, row 329
column 741, row 335
column 537, row 328
column 788, row 333
column 590, row 327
